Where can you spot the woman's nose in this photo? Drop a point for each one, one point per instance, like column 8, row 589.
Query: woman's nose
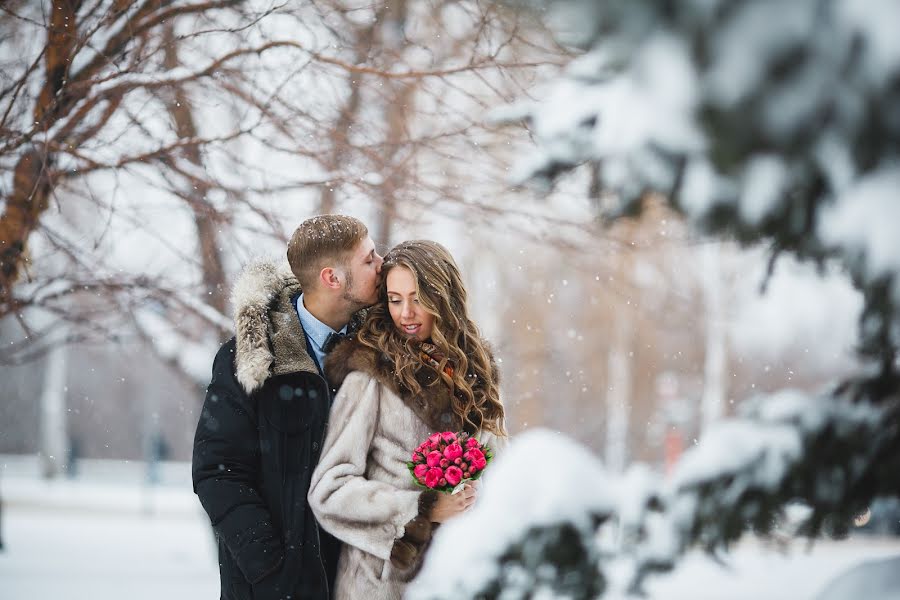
column 407, row 310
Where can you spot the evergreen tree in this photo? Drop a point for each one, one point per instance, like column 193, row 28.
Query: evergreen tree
column 768, row 122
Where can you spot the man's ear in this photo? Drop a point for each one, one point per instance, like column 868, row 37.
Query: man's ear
column 331, row 278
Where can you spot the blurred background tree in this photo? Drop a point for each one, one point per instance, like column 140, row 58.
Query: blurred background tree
column 761, row 123
column 150, row 149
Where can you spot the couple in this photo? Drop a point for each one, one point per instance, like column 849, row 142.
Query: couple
column 316, row 405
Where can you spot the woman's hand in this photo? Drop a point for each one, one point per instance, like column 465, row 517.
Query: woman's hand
column 450, row 505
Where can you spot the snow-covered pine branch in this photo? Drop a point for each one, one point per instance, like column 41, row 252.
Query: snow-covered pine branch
column 767, row 121
column 553, row 523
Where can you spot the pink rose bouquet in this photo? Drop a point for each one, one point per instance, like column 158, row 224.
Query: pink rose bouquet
column 446, row 460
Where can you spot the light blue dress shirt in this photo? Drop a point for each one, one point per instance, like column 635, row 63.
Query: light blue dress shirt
column 316, row 331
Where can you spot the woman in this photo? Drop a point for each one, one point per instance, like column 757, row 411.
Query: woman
column 417, row 366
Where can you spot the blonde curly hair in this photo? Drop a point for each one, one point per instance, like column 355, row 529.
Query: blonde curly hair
column 441, row 292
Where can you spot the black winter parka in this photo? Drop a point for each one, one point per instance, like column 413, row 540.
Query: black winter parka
column 257, row 443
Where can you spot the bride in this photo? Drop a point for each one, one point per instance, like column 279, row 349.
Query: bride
column 417, row 366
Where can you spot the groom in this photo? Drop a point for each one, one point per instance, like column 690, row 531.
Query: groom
column 263, row 420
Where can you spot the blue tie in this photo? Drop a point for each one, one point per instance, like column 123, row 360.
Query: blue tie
column 332, row 341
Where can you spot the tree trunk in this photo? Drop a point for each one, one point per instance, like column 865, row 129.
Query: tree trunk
column 24, row 206
column 31, row 180
column 618, row 393
column 714, row 362
column 340, row 144
column 397, row 99
column 54, row 438
column 205, row 216
column 340, row 134
column 392, row 170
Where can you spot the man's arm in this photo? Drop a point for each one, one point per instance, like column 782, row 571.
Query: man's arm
column 225, row 473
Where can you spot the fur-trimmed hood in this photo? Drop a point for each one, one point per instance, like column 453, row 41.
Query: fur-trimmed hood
column 269, row 338
column 432, row 404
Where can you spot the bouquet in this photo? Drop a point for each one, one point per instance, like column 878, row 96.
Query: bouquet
column 447, row 460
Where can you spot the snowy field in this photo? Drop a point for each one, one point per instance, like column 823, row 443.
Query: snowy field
column 757, row 572
column 99, row 556
column 107, row 536
column 107, row 540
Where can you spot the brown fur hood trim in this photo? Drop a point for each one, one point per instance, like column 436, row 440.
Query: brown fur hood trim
column 270, row 340
column 432, row 404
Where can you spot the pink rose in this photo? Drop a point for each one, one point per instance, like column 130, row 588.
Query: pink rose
column 475, row 457
column 453, row 451
column 449, row 436
column 433, row 477
column 420, row 470
column 416, row 457
column 453, row 475
column 434, row 438
column 445, row 463
column 471, row 443
column 434, row 458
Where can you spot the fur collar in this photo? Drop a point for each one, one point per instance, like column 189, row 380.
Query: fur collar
column 432, row 404
column 269, row 338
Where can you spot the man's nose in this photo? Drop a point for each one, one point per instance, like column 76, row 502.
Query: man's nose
column 379, row 261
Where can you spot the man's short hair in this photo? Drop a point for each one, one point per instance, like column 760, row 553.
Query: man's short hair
column 321, row 240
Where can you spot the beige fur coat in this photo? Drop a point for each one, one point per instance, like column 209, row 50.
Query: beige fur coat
column 361, row 491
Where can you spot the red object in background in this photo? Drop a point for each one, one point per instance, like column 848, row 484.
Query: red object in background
column 673, row 446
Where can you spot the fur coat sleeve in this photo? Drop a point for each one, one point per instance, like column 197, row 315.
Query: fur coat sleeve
column 370, row 515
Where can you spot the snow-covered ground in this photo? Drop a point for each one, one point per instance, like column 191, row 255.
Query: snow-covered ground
column 99, row 556
column 99, row 539
column 757, row 571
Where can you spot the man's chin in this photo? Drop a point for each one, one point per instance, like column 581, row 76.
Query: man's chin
column 359, row 303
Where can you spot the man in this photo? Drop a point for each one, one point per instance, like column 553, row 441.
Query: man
column 266, row 409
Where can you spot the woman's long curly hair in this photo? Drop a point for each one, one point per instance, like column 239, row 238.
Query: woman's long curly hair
column 440, row 290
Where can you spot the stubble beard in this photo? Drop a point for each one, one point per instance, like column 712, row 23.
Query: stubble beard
column 355, row 303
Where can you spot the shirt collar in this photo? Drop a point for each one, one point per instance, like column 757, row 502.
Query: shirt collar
column 316, row 330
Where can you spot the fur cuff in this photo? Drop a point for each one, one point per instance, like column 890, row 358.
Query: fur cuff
column 407, row 551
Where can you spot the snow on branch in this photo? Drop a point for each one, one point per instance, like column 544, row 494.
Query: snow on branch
column 533, row 517
column 764, row 121
column 553, row 523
